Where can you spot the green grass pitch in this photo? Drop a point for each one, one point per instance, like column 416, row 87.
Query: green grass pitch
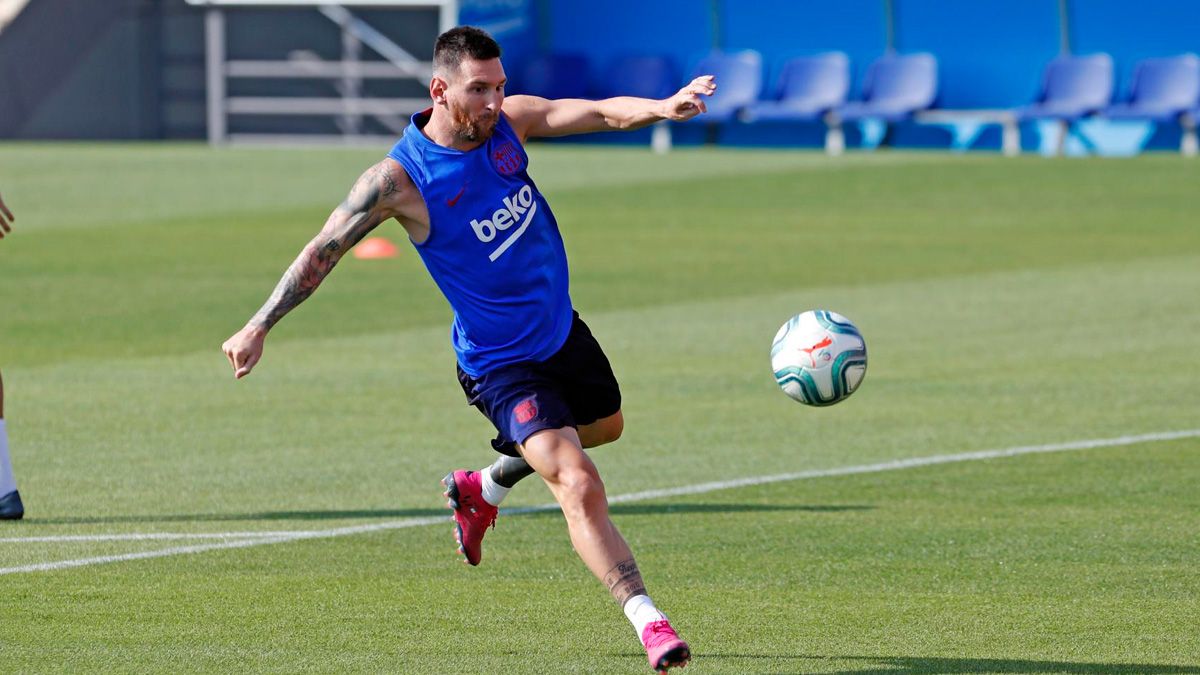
column 1006, row 303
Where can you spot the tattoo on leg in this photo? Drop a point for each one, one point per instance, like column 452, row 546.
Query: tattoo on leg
column 624, row 581
column 506, row 471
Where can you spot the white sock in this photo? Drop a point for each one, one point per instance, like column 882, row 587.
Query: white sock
column 640, row 610
column 8, row 482
column 493, row 492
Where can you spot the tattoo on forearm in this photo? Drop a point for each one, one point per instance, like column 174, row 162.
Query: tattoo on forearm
column 624, row 581
column 299, row 282
column 348, row 224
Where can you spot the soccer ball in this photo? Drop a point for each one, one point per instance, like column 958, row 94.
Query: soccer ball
column 819, row 357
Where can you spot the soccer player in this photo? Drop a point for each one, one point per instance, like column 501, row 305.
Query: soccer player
column 458, row 182
column 11, row 507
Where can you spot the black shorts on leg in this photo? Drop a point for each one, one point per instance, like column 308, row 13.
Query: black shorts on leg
column 574, row 387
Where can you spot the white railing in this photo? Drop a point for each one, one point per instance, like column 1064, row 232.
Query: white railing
column 350, row 106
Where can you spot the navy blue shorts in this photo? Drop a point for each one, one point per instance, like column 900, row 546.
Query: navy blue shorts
column 572, row 388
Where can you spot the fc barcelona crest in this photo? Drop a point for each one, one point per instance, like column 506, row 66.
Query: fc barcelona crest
column 506, row 158
column 525, row 411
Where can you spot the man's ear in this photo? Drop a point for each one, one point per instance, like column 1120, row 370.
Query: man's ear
column 437, row 90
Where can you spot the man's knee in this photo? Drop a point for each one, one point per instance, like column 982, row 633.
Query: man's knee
column 580, row 487
column 558, row 457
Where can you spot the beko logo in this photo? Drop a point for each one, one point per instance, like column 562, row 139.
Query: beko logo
column 519, row 207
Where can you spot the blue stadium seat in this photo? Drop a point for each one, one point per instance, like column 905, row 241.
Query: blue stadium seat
column 556, row 76
column 895, row 87
column 1072, row 87
column 1161, row 90
column 739, row 82
column 645, row 76
column 809, row 87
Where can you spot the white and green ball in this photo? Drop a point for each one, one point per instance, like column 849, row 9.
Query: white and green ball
column 819, row 357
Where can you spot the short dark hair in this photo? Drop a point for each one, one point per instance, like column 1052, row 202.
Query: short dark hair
column 463, row 42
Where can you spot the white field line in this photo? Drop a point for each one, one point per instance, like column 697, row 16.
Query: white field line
column 240, row 543
column 247, row 539
column 150, row 536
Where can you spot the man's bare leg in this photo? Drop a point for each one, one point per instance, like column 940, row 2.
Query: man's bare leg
column 476, row 495
column 506, row 471
column 558, row 457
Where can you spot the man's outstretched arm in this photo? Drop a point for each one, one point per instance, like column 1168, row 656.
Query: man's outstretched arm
column 370, row 202
column 533, row 116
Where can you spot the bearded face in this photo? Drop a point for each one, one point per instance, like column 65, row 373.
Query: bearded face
column 474, row 96
column 470, row 128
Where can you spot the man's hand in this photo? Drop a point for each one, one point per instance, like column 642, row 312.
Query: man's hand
column 375, row 197
column 687, row 102
column 244, row 348
column 5, row 213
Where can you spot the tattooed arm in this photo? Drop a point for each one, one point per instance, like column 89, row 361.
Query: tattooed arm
column 374, row 198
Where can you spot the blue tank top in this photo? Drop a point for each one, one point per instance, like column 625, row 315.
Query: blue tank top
column 493, row 249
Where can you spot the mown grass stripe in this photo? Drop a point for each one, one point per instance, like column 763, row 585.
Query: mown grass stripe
column 894, row 465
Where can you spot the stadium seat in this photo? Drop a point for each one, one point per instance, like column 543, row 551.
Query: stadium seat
column 1073, row 87
column 809, row 88
column 646, row 76
column 739, row 82
column 1163, row 90
column 895, row 87
column 556, row 76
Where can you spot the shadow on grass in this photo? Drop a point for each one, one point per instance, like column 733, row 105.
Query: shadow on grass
column 652, row 509
column 365, row 514
column 348, row 514
column 915, row 665
column 676, row 509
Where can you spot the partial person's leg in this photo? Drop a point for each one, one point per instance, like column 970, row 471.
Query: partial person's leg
column 576, row 387
column 491, row 484
column 602, row 431
column 583, row 375
column 504, row 473
column 558, row 457
column 10, row 500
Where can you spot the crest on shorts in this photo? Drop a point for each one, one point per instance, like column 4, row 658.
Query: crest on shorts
column 525, row 411
column 506, row 158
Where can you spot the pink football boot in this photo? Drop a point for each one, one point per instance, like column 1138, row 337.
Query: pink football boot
column 472, row 515
column 663, row 646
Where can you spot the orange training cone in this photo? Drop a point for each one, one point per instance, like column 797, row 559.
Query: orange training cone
column 375, row 247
